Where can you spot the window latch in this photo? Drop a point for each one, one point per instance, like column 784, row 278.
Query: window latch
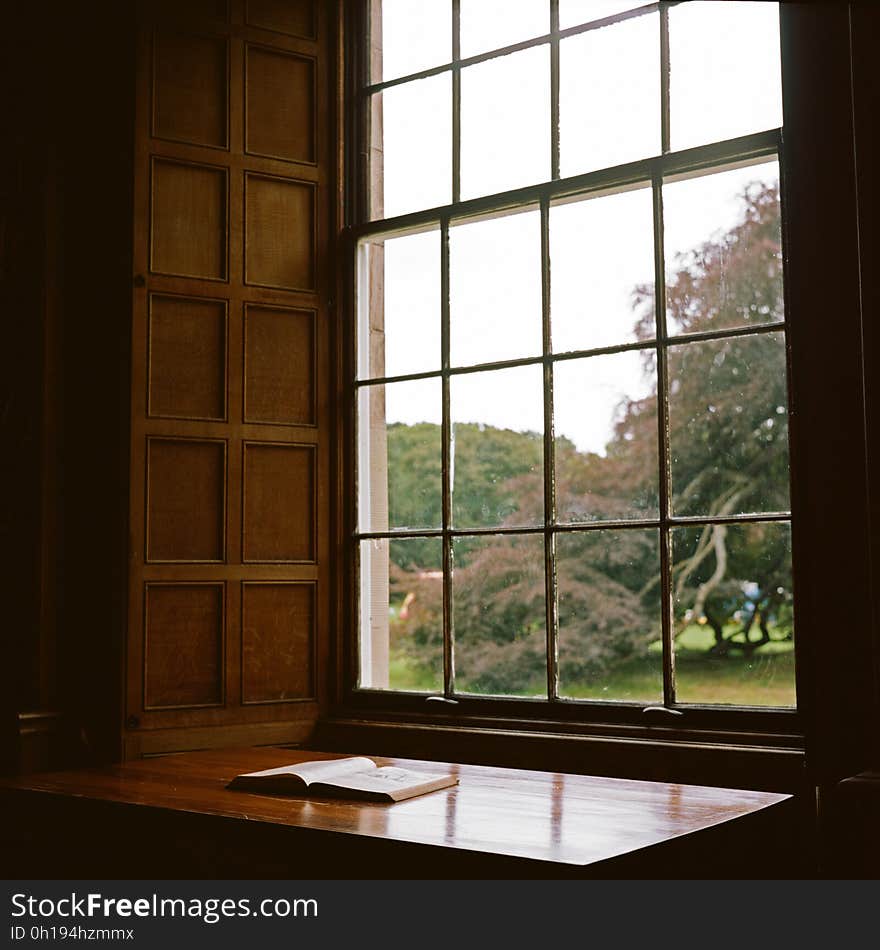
column 442, row 699
column 663, row 710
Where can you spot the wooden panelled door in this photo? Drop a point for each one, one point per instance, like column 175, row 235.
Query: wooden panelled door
column 229, row 442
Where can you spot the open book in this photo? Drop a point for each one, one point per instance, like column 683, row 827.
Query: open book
column 342, row 778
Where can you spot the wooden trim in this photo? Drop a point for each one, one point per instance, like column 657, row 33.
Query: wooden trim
column 166, row 741
column 39, row 722
column 44, row 737
column 734, row 764
column 829, row 487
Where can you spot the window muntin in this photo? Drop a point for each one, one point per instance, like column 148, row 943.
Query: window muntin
column 535, row 560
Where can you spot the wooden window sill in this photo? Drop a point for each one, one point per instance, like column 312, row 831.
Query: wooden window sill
column 653, row 753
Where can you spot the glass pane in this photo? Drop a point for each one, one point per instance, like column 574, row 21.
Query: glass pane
column 401, row 641
column 498, row 615
column 724, row 71
column 575, row 12
column 505, row 124
column 493, row 24
column 608, row 586
column 728, row 426
column 602, row 271
column 723, row 249
column 605, row 420
column 734, row 630
column 495, row 289
column 399, row 305
column 408, row 37
column 609, row 95
column 411, row 154
column 399, row 471
column 497, row 448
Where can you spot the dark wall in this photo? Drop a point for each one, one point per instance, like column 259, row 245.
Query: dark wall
column 64, row 291
column 22, row 188
column 866, row 120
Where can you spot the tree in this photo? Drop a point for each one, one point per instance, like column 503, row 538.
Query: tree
column 728, row 429
column 728, row 455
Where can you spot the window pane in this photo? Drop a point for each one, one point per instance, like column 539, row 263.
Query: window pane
column 401, row 642
column 605, row 421
column 497, row 448
column 408, row 37
column 608, row 586
column 602, row 271
column 609, row 95
column 728, row 425
column 498, row 615
column 733, row 615
column 399, row 471
column 493, row 24
column 575, row 12
column 725, row 76
column 399, row 305
column 411, row 154
column 495, row 289
column 723, row 249
column 505, row 123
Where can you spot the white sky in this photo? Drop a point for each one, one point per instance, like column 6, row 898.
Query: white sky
column 724, row 82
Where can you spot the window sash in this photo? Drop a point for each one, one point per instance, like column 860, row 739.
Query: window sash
column 652, row 171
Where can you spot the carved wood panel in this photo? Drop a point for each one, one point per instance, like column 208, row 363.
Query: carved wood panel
column 280, row 371
column 190, row 84
column 277, row 642
column 188, row 216
column 279, row 233
column 280, row 104
column 186, row 500
column 186, row 353
column 293, row 17
column 279, row 502
column 184, row 632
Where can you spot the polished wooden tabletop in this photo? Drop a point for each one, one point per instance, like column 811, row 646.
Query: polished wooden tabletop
column 544, row 816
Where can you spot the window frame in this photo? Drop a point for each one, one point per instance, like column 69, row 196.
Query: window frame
column 785, row 731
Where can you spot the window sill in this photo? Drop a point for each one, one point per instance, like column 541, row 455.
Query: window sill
column 655, row 753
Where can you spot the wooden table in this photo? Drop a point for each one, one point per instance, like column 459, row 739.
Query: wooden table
column 173, row 817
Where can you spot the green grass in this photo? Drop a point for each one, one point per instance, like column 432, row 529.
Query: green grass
column 406, row 675
column 764, row 679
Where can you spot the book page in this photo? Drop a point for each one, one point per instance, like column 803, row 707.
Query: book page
column 323, row 770
column 387, row 780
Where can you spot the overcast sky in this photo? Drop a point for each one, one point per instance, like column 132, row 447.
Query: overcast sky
column 724, row 81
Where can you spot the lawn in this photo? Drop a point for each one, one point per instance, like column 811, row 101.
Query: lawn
column 764, row 679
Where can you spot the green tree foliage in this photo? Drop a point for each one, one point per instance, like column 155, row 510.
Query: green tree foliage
column 492, row 469
column 728, row 454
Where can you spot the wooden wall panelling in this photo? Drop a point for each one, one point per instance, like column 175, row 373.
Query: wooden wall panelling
column 196, row 11
column 186, row 354
column 184, row 633
column 295, row 729
column 278, row 640
column 279, row 519
column 229, row 435
column 186, row 500
column 279, row 233
column 280, row 366
column 280, row 104
column 188, row 220
column 293, row 17
column 190, row 88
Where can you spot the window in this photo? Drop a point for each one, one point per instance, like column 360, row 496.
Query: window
column 571, row 387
